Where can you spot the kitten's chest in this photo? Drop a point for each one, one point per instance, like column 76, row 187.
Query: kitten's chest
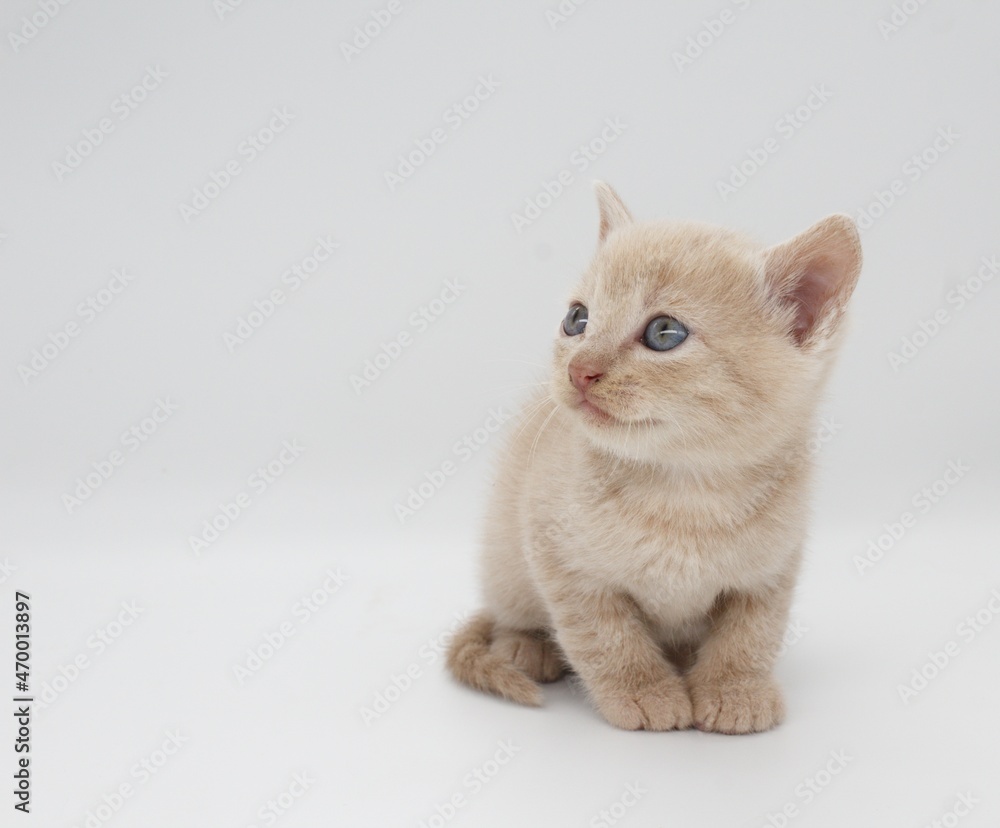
column 674, row 552
column 670, row 571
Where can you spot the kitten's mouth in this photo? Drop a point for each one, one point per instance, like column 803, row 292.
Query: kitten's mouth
column 594, row 412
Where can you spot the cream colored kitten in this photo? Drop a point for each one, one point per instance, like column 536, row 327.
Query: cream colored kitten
column 648, row 520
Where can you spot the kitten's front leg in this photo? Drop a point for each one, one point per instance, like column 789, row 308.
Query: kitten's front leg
column 610, row 647
column 731, row 685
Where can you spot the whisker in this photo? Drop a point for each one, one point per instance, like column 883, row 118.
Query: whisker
column 534, row 444
column 530, row 413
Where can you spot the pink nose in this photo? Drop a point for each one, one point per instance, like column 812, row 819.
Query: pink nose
column 583, row 375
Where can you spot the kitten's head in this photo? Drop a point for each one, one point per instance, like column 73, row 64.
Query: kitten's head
column 690, row 342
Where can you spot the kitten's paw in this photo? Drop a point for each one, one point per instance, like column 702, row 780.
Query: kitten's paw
column 737, row 705
column 534, row 654
column 661, row 706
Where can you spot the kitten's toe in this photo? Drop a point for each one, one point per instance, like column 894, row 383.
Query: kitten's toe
column 661, row 706
column 737, row 705
column 533, row 653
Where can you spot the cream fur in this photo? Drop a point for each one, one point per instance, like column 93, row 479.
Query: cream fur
column 654, row 552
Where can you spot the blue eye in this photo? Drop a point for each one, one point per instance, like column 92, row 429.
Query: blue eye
column 575, row 321
column 664, row 333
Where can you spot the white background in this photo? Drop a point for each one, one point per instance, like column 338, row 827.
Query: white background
column 895, row 429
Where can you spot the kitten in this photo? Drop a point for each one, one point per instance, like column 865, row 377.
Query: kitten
column 648, row 521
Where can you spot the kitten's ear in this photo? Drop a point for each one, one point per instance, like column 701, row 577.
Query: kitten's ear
column 614, row 213
column 814, row 274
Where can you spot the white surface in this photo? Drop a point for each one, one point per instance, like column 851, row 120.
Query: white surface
column 163, row 337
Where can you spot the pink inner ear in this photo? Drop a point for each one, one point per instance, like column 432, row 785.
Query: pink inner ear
column 815, row 272
column 810, row 295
